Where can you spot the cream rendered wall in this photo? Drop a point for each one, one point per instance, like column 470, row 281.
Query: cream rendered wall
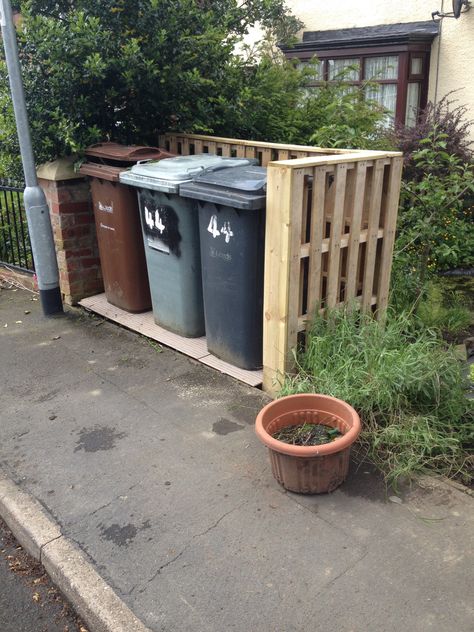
column 456, row 61
column 456, row 42
column 320, row 15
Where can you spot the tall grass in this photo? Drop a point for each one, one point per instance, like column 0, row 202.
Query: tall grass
column 405, row 383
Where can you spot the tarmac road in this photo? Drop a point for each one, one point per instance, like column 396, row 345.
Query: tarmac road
column 28, row 600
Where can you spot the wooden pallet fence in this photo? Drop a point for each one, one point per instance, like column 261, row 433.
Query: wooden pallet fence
column 187, row 144
column 330, row 232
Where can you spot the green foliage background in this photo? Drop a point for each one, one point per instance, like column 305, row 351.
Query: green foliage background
column 128, row 70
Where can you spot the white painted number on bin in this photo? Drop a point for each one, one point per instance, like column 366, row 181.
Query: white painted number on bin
column 149, row 219
column 158, row 223
column 212, row 228
column 225, row 230
column 154, row 223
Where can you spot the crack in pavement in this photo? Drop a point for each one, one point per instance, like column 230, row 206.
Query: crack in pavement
column 188, row 544
column 342, row 573
column 118, row 497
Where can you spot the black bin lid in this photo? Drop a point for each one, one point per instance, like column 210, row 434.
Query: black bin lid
column 239, row 187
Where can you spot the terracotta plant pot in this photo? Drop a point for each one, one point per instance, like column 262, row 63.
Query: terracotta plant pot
column 309, row 469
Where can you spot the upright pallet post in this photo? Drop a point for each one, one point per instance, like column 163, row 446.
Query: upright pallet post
column 391, row 213
column 283, row 222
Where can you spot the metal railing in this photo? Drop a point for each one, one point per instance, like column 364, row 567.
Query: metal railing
column 15, row 247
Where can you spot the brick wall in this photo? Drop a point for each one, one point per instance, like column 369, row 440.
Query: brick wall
column 75, row 237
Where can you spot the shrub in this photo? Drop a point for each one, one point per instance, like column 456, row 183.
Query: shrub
column 346, row 118
column 128, row 69
column 450, row 120
column 407, row 386
column 435, row 229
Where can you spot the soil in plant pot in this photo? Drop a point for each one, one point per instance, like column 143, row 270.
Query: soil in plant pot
column 307, row 434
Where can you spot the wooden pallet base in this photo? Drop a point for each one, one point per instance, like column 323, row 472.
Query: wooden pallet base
column 144, row 324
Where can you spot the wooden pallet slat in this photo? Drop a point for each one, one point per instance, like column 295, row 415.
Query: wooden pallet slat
column 345, row 242
column 316, row 240
column 372, row 235
column 250, row 152
column 266, row 156
column 335, row 237
column 277, row 274
column 240, row 151
column 173, row 144
column 211, row 147
column 391, row 211
column 355, row 231
column 185, row 146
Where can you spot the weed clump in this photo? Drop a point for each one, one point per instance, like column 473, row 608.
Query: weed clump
column 405, row 382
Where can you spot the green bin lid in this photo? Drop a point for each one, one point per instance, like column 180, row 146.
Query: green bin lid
column 166, row 175
column 240, row 187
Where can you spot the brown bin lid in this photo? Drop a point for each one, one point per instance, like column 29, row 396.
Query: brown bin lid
column 128, row 154
column 104, row 172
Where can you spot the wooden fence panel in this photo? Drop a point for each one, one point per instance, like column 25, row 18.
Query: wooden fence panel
column 352, row 219
column 202, row 143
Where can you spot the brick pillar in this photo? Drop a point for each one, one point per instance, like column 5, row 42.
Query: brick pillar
column 72, row 218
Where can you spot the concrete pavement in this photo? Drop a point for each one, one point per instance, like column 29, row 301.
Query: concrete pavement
column 149, row 463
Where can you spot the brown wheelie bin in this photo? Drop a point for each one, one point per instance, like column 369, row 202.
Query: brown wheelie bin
column 119, row 232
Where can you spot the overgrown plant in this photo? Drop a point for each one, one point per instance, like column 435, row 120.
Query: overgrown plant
column 275, row 104
column 435, row 229
column 445, row 310
column 127, row 69
column 407, row 386
column 347, row 118
column 449, row 118
column 130, row 70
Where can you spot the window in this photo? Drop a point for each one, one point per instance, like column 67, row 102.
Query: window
column 399, row 95
column 395, row 57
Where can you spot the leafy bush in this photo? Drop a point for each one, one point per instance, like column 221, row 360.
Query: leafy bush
column 436, row 230
column 273, row 103
column 450, row 120
column 407, row 386
column 128, row 69
column 346, row 118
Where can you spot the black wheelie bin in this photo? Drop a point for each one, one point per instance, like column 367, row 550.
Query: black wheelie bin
column 231, row 206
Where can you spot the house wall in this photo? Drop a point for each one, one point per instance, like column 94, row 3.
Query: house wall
column 456, row 42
